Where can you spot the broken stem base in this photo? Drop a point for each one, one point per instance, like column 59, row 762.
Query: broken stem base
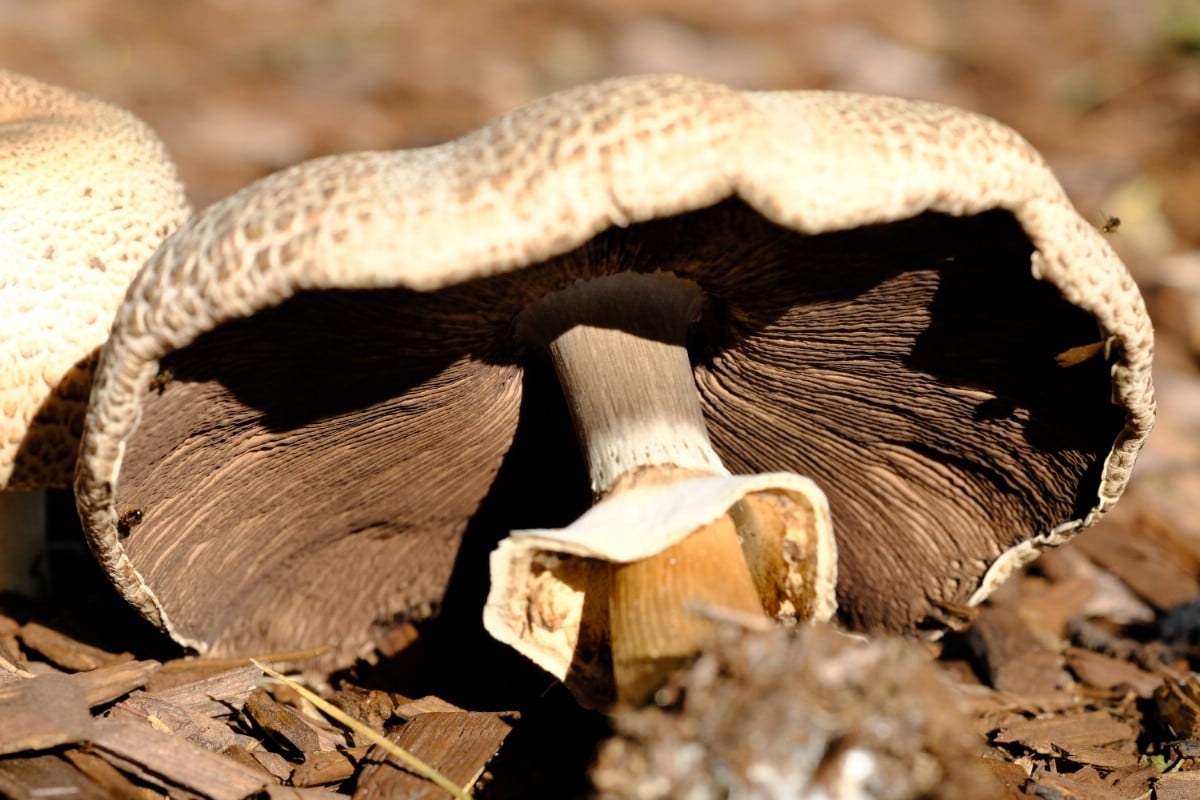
column 655, row 605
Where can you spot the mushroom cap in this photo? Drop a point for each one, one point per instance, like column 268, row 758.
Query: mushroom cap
column 87, row 192
column 888, row 283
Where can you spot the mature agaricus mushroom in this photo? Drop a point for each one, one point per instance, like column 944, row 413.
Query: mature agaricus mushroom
column 87, row 192
column 615, row 595
column 317, row 389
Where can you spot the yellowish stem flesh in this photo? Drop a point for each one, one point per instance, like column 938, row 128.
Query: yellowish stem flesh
column 655, row 606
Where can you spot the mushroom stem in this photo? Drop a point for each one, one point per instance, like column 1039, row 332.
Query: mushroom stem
column 618, row 344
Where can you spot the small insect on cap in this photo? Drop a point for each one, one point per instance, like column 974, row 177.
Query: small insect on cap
column 872, row 294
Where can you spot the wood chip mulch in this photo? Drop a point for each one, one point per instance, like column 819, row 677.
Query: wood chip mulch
column 1079, row 671
column 1078, row 675
column 83, row 722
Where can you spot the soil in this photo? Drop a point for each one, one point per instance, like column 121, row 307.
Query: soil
column 814, row 713
column 1077, row 678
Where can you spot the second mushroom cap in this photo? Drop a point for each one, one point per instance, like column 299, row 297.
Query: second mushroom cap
column 87, row 192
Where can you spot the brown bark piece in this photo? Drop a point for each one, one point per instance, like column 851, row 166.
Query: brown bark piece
column 273, row 763
column 1106, row 672
column 1095, row 728
column 1133, row 782
column 459, row 745
column 43, row 712
column 1178, row 543
column 49, row 710
column 1178, row 705
column 1051, row 609
column 46, row 776
column 107, row 777
column 331, row 766
column 1177, row 786
column 105, row 684
column 1009, row 775
column 1157, row 520
column 10, row 648
column 65, row 652
column 301, row 793
column 1082, row 784
column 371, row 707
column 98, row 686
column 184, row 671
column 1143, row 565
column 185, row 723
column 1015, row 659
column 180, row 768
column 289, row 727
column 1103, row 757
column 281, row 723
column 240, row 754
column 988, row 703
column 180, row 671
column 429, row 704
column 212, row 695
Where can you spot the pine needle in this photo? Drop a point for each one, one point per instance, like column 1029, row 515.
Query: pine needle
column 412, row 762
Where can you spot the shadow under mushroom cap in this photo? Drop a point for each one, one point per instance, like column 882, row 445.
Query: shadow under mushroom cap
column 341, row 396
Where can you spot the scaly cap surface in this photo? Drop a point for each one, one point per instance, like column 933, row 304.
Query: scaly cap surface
column 87, row 192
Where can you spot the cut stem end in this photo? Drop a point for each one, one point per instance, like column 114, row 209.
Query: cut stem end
column 655, row 606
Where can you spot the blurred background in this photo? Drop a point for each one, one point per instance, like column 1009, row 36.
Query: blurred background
column 1108, row 90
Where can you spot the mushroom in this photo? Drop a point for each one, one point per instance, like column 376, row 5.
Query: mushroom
column 691, row 309
column 87, row 192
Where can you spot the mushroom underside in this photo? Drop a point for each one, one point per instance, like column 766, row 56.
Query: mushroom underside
column 308, row 474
